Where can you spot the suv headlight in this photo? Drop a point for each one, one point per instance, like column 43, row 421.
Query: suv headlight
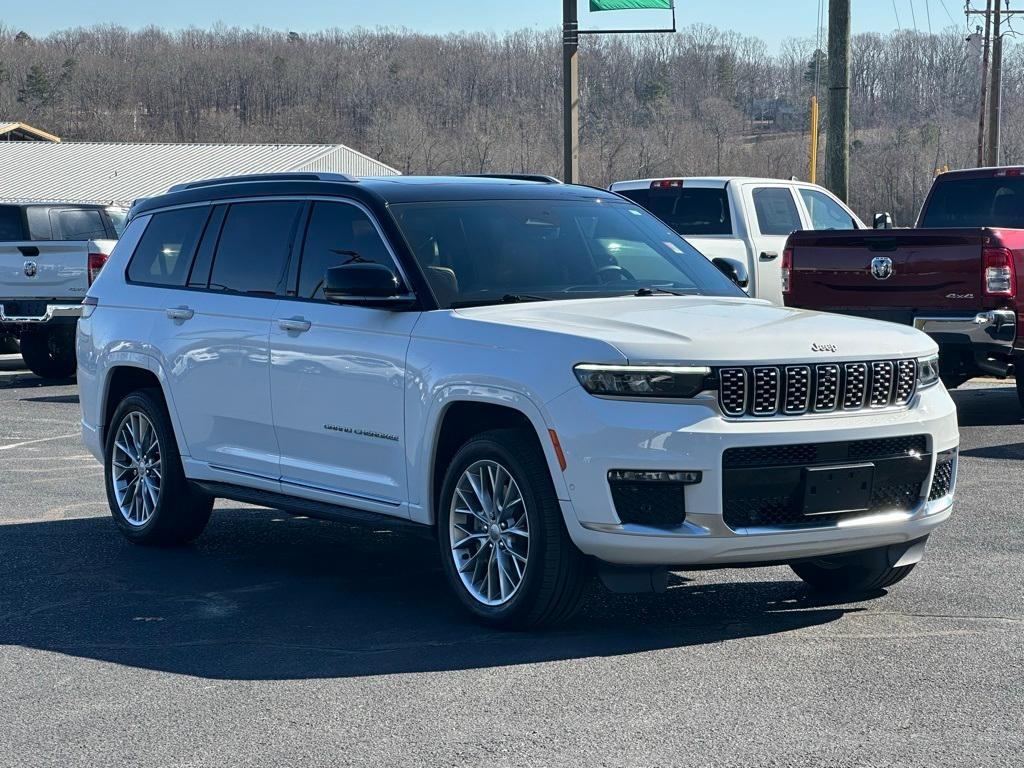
column 927, row 371
column 669, row 382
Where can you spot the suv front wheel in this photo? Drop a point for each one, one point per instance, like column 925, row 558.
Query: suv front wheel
column 504, row 545
column 149, row 498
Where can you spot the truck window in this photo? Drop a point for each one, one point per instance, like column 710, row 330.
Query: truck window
column 39, row 227
column 11, row 228
column 825, row 212
column 689, row 211
column 776, row 211
column 81, row 224
column 971, row 203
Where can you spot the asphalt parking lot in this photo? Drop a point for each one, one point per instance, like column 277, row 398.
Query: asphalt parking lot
column 280, row 641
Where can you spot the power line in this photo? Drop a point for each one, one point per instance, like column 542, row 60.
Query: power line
column 946, row 9
column 928, row 12
column 913, row 15
column 896, row 11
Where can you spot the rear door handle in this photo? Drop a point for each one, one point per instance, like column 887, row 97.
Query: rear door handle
column 769, row 255
column 294, row 324
column 180, row 313
column 28, row 251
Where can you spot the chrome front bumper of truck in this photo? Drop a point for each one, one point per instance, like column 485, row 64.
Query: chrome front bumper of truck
column 53, row 312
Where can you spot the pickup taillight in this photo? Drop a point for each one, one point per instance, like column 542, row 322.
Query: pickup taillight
column 96, row 262
column 1000, row 274
column 787, row 271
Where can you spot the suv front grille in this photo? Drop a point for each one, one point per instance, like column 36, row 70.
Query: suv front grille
column 793, row 390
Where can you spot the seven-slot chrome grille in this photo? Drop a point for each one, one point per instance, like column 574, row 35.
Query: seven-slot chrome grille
column 794, row 390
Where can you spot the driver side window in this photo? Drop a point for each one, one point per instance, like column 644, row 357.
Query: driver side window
column 825, row 212
column 338, row 233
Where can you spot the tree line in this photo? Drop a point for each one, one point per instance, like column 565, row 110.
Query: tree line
column 702, row 101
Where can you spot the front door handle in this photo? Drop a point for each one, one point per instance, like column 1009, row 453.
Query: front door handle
column 180, row 313
column 769, row 255
column 294, row 325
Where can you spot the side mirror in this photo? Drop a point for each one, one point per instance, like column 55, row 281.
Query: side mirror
column 883, row 221
column 735, row 272
column 365, row 284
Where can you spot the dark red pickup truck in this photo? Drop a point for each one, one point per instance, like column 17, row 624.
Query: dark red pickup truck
column 958, row 276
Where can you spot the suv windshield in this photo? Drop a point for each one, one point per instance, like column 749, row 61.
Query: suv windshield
column 485, row 252
column 991, row 202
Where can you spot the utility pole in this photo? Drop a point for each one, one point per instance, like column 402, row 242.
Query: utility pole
column 984, row 83
column 571, row 91
column 995, row 101
column 838, row 143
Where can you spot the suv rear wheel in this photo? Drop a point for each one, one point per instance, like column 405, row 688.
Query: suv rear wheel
column 504, row 545
column 50, row 352
column 149, row 498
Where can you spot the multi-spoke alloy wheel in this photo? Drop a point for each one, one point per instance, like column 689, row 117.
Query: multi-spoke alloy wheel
column 137, row 473
column 489, row 532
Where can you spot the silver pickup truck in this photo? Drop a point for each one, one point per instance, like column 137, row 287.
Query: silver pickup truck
column 49, row 255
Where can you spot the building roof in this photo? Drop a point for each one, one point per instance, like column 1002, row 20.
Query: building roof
column 13, row 131
column 121, row 173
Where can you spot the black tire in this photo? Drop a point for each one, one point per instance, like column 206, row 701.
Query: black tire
column 555, row 573
column 852, row 574
column 181, row 513
column 8, row 345
column 50, row 353
column 1020, row 384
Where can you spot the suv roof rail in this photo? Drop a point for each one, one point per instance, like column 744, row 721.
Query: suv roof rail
column 344, row 177
column 541, row 178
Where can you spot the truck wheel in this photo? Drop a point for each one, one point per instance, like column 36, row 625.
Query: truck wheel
column 1020, row 386
column 149, row 498
column 8, row 345
column 856, row 573
column 504, row 546
column 50, row 353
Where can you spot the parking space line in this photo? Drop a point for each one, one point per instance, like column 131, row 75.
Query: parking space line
column 33, row 442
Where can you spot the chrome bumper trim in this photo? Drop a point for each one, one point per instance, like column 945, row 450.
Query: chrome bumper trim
column 52, row 311
column 995, row 328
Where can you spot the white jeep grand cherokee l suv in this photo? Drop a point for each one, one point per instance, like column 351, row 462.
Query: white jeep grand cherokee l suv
column 545, row 378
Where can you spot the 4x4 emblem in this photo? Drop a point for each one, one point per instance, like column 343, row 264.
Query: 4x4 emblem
column 31, row 269
column 881, row 268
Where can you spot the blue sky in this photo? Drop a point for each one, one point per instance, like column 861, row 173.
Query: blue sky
column 772, row 20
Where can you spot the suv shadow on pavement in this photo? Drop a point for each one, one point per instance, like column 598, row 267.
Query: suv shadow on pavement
column 263, row 596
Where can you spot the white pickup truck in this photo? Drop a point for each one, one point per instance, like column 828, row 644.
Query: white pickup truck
column 743, row 222
column 49, row 255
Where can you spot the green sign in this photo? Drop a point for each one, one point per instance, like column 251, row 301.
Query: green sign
column 630, row 5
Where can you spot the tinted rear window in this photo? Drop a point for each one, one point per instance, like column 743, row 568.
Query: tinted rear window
column 11, row 228
column 993, row 202
column 165, row 251
column 254, row 246
column 82, row 224
column 689, row 211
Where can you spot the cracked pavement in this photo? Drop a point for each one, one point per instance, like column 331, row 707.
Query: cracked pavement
column 280, row 641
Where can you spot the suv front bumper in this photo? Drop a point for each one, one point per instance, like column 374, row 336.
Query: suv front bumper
column 599, row 435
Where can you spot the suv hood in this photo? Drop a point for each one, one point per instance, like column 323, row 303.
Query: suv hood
column 696, row 329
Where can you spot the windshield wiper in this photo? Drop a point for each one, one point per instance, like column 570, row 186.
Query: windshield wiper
column 508, row 298
column 654, row 291
column 519, row 298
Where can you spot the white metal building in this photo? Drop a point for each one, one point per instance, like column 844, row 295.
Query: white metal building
column 121, row 173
